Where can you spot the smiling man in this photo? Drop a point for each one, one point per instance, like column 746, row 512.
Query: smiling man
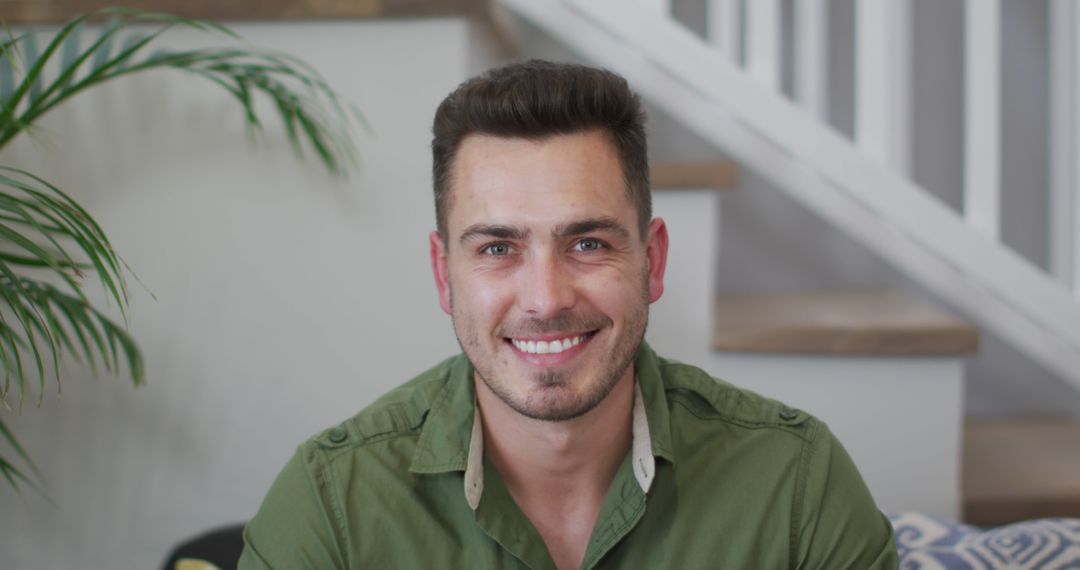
column 559, row 439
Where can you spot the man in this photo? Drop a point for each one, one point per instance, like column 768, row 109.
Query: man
column 559, row 439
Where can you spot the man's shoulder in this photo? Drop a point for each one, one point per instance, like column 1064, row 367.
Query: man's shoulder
column 766, row 452
column 399, row 412
column 708, row 399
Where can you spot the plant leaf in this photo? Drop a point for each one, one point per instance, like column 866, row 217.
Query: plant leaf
column 13, row 475
column 21, row 303
column 79, row 226
column 10, row 437
column 69, row 55
column 42, row 229
column 7, row 79
column 32, row 58
column 31, row 82
column 102, row 48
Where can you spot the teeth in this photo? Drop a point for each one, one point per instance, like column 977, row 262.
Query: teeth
column 546, row 347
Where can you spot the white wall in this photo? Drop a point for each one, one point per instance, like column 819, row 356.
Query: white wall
column 285, row 301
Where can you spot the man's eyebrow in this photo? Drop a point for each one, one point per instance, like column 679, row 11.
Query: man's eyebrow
column 602, row 224
column 495, row 231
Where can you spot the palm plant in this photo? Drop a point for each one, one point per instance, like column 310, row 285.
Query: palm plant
column 49, row 243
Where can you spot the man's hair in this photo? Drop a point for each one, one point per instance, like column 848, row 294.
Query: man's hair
column 535, row 100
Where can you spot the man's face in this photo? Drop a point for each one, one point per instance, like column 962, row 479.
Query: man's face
column 544, row 271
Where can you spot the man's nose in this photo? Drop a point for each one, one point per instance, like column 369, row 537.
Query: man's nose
column 546, row 287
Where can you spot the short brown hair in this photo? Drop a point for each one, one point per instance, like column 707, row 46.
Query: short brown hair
column 537, row 99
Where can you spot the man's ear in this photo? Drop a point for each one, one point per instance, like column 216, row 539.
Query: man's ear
column 439, row 268
column 656, row 253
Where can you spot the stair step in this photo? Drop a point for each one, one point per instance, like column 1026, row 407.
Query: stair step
column 861, row 322
column 702, row 174
column 1021, row 468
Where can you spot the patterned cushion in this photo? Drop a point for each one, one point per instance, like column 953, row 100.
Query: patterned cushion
column 926, row 543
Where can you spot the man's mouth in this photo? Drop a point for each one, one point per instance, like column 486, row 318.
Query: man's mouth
column 550, row 346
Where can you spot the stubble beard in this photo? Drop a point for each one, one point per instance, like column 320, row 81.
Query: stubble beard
column 555, row 402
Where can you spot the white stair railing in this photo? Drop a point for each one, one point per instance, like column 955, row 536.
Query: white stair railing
column 762, row 41
column 1065, row 142
column 882, row 107
column 859, row 186
column 982, row 113
column 811, row 56
column 724, row 25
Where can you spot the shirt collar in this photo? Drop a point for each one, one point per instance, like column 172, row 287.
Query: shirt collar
column 452, row 436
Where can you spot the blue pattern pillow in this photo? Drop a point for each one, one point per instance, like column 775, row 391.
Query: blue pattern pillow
column 926, row 543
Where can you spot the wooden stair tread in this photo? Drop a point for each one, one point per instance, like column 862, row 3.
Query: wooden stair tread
column 863, row 322
column 702, row 174
column 1021, row 468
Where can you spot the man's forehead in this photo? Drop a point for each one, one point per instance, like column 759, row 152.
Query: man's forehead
column 536, row 182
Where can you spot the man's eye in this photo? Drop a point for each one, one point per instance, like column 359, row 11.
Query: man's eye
column 497, row 249
column 589, row 244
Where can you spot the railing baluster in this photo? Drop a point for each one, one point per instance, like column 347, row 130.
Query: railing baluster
column 882, row 80
column 724, row 27
column 763, row 41
column 982, row 115
column 811, row 56
column 1065, row 143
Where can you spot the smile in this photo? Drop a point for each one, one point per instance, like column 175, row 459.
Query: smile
column 547, row 347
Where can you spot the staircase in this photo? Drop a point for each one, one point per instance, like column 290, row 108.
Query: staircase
column 725, row 87
column 957, row 255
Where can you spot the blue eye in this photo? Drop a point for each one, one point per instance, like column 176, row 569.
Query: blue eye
column 589, row 244
column 497, row 249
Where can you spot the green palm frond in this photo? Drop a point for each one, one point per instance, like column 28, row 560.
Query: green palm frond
column 310, row 110
column 38, row 317
column 10, row 472
column 43, row 228
column 49, row 243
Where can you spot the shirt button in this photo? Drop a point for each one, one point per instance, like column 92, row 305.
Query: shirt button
column 338, row 435
column 788, row 414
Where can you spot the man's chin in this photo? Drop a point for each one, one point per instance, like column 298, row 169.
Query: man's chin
column 549, row 380
column 554, row 407
column 556, row 396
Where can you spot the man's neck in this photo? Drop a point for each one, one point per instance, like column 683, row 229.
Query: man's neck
column 559, row 472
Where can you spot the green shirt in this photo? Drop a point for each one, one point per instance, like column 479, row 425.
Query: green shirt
column 726, row 479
